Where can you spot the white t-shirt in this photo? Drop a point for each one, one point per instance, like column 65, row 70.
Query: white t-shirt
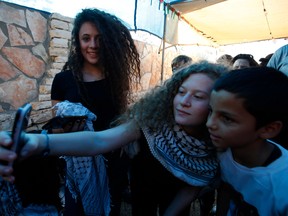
column 265, row 188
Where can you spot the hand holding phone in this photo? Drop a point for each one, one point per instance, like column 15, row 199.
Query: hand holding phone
column 20, row 124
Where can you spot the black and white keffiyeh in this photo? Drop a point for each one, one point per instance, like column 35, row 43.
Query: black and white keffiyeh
column 187, row 158
column 10, row 203
column 86, row 177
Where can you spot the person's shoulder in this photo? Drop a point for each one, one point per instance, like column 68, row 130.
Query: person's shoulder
column 283, row 49
column 277, row 56
column 284, row 155
column 65, row 75
column 284, row 151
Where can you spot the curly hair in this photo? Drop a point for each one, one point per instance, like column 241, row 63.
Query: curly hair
column 118, row 55
column 155, row 108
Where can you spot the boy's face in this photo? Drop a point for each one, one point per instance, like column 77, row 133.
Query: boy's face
column 229, row 123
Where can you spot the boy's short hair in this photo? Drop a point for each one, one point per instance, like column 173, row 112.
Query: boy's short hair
column 264, row 91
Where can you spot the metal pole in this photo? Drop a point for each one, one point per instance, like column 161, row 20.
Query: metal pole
column 163, row 44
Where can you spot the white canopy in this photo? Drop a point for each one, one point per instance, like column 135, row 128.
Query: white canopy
column 189, row 22
column 227, row 22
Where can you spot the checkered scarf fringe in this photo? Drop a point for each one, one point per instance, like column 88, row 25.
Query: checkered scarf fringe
column 10, row 203
column 189, row 159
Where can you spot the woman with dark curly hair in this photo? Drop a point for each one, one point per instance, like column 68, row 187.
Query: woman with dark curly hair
column 173, row 158
column 102, row 67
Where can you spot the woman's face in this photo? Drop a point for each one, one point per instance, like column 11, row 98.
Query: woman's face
column 191, row 102
column 241, row 63
column 89, row 42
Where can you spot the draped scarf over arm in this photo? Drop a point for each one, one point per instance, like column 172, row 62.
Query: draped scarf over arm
column 86, row 177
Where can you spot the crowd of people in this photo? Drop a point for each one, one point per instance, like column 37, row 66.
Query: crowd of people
column 217, row 132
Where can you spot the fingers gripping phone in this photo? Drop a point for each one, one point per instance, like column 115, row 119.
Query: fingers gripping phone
column 20, row 124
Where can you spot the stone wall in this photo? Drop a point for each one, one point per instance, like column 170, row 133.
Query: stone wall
column 34, row 47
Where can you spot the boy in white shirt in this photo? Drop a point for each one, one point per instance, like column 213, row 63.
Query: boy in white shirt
column 249, row 107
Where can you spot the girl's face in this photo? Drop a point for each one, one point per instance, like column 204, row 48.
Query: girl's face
column 191, row 102
column 229, row 120
column 89, row 42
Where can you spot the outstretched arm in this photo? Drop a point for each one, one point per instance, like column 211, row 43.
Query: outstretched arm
column 88, row 143
column 84, row 143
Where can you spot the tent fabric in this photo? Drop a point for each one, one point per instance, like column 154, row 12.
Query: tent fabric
column 155, row 17
column 226, row 22
column 149, row 16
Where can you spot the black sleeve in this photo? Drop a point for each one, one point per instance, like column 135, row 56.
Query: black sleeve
column 64, row 87
column 57, row 90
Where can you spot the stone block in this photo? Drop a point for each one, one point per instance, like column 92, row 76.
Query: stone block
column 56, row 51
column 44, row 89
column 58, row 16
column 59, row 42
column 59, row 33
column 44, row 97
column 41, row 105
column 58, row 24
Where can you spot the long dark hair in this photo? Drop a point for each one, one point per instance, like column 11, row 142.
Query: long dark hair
column 118, row 55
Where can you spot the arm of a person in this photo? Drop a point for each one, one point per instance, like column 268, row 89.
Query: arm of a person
column 182, row 200
column 6, row 156
column 86, row 143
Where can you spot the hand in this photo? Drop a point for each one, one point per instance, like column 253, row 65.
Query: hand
column 6, row 156
column 30, row 147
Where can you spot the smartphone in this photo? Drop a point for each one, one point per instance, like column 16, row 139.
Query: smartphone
column 20, row 124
